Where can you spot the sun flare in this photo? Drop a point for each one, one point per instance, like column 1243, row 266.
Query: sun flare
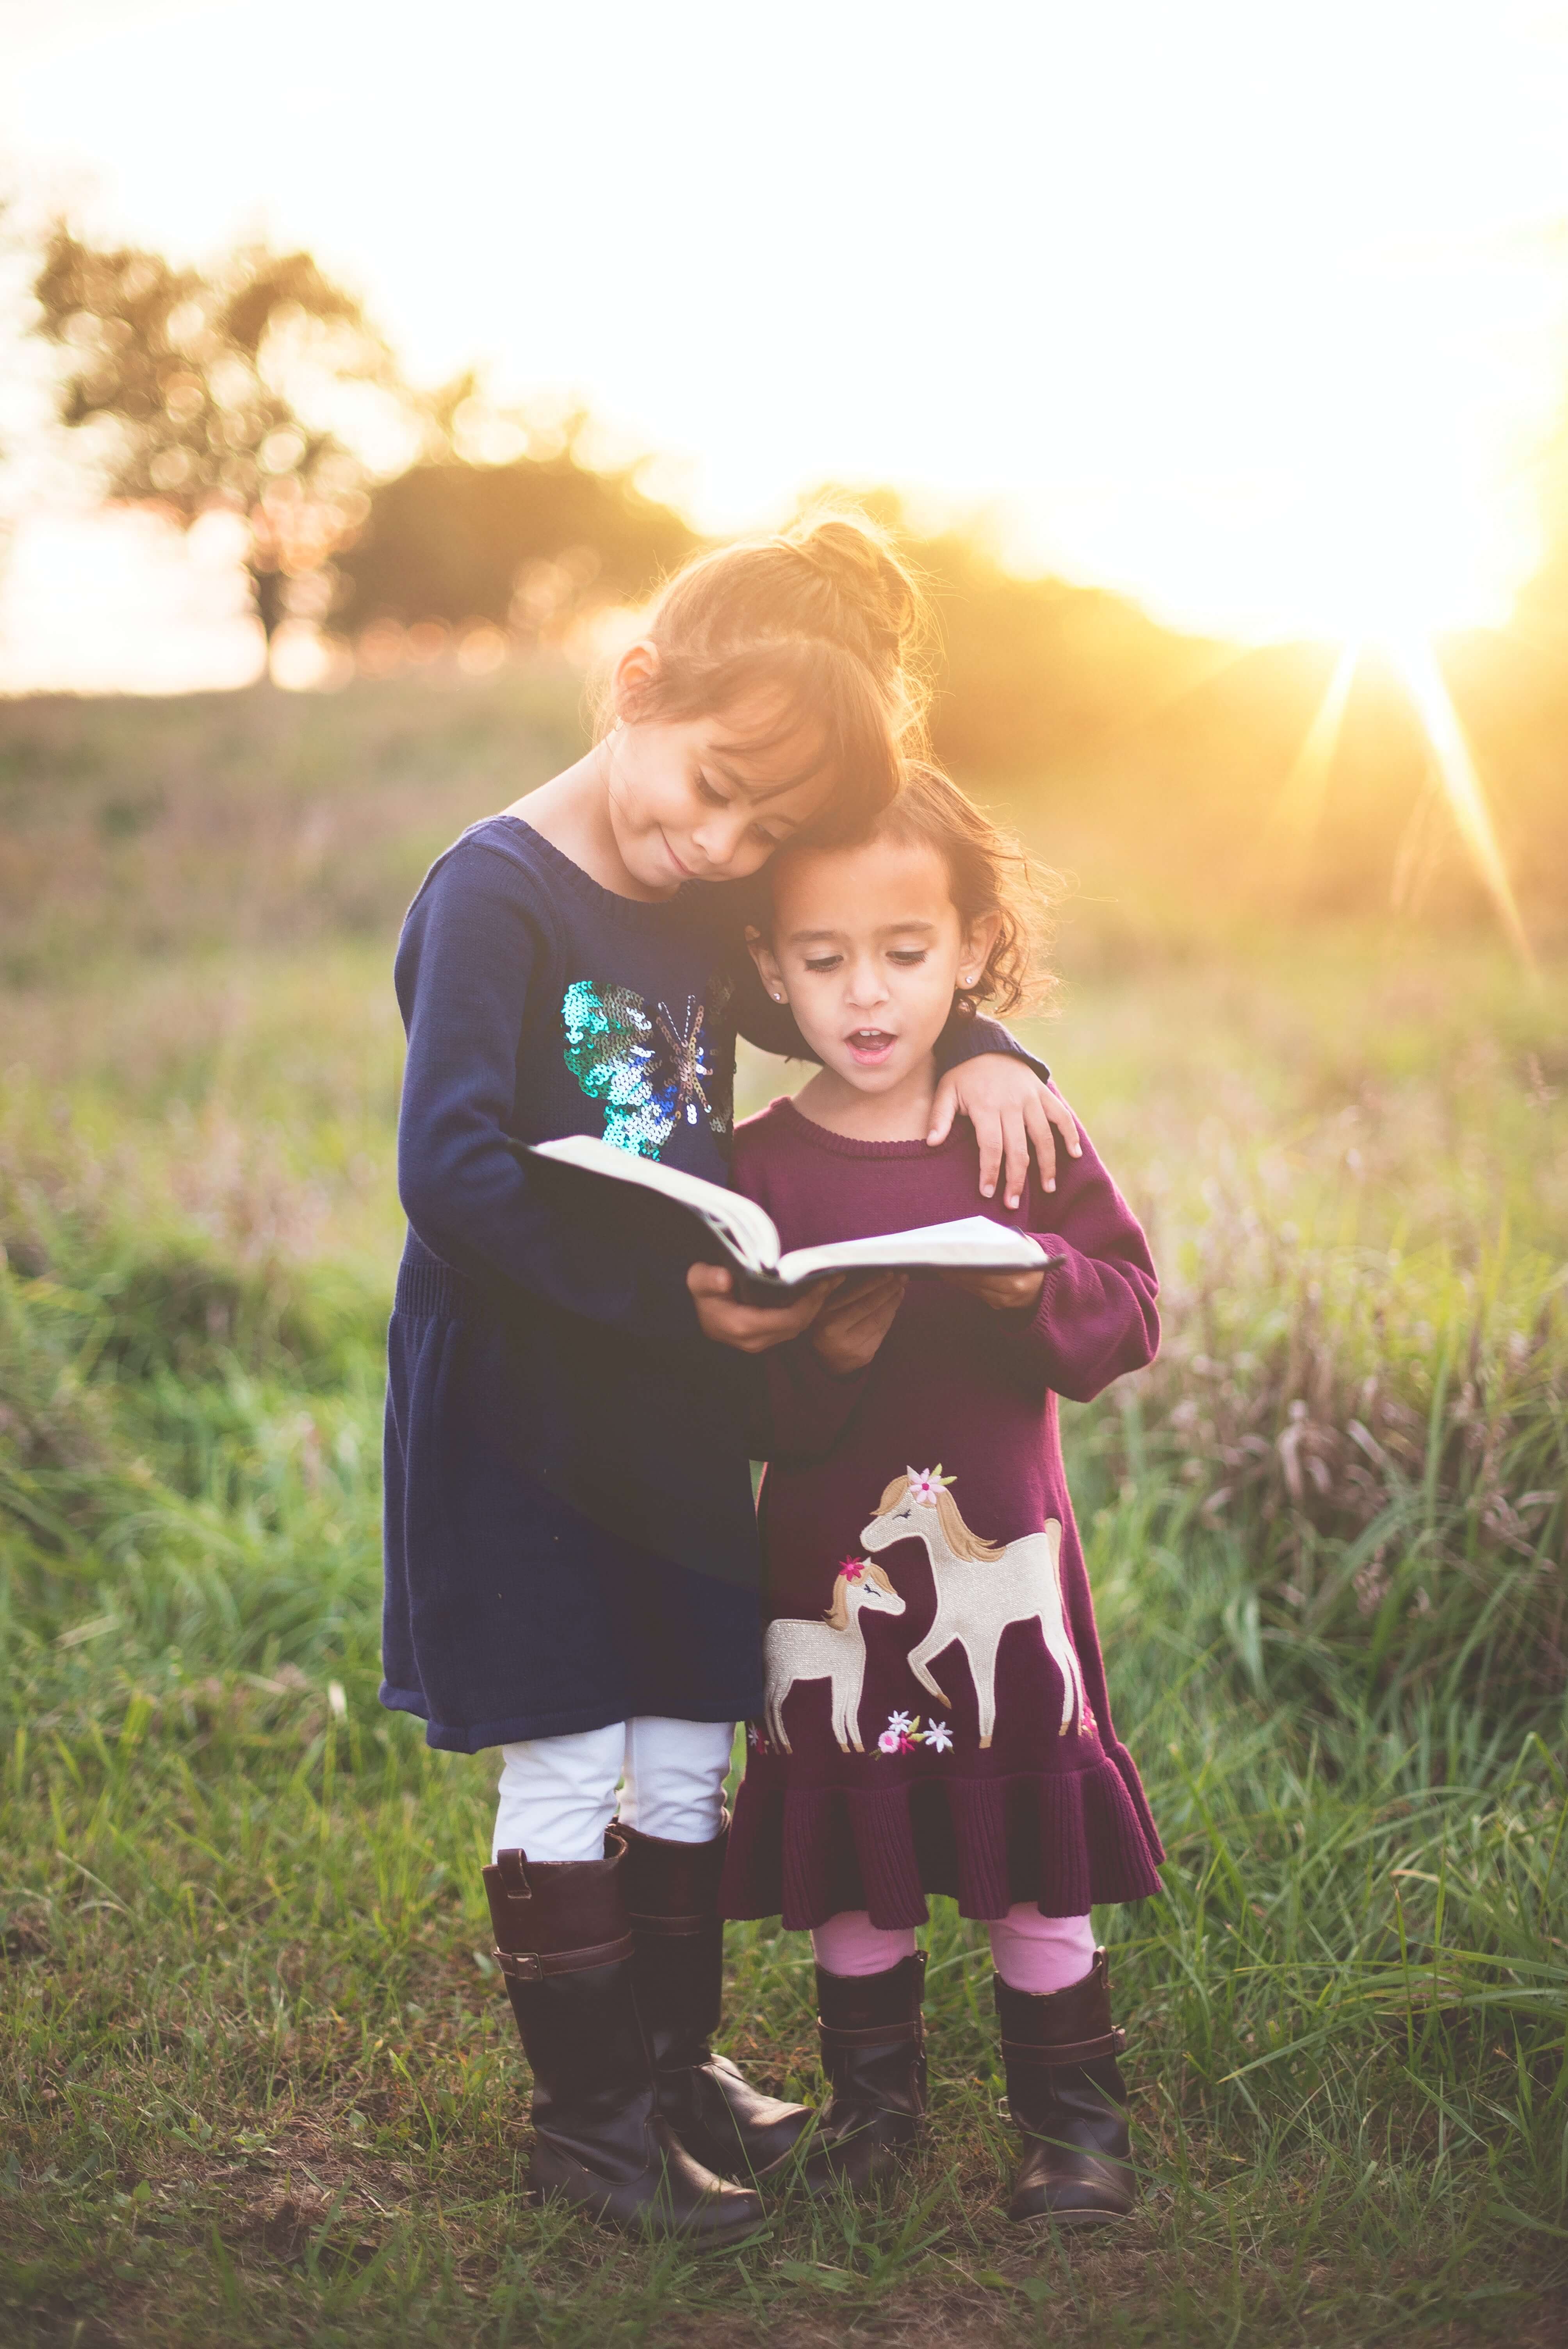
column 1416, row 663
column 1413, row 659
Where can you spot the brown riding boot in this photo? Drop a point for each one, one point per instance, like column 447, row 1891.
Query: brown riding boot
column 672, row 1894
column 1068, row 2096
column 873, row 2052
column 564, row 1944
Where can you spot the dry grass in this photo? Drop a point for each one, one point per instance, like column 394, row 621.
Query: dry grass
column 259, row 2086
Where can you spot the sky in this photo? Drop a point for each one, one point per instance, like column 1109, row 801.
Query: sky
column 1257, row 313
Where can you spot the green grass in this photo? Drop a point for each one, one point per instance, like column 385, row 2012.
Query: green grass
column 257, row 2080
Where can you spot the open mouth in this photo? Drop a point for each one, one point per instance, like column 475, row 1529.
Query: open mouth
column 870, row 1045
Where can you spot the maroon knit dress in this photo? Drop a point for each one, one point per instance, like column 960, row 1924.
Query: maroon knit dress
column 936, row 1718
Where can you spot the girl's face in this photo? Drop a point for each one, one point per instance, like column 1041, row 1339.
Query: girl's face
column 688, row 800
column 868, row 950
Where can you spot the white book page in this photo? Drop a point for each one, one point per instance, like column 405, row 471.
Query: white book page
column 972, row 1243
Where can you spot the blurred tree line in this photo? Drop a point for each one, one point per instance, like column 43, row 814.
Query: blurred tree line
column 259, row 388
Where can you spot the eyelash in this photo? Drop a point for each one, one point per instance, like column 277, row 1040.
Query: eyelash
column 759, row 832
column 906, row 958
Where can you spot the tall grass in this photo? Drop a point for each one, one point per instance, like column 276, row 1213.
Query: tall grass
column 226, row 820
column 258, row 2078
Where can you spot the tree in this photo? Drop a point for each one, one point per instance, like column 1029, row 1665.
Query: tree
column 253, row 387
column 530, row 543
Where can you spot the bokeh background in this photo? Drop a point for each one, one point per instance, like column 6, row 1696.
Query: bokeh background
column 359, row 373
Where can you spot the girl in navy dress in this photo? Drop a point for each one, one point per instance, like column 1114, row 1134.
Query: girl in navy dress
column 935, row 1716
column 571, row 1547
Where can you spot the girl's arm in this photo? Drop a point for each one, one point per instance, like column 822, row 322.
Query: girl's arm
column 1094, row 1316
column 470, row 950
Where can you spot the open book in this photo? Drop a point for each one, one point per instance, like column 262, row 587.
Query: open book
column 749, row 1237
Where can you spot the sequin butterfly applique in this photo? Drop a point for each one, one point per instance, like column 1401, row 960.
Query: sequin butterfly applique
column 651, row 1069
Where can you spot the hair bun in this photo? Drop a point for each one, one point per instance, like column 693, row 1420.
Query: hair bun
column 856, row 559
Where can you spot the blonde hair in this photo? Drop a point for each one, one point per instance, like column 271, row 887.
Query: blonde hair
column 824, row 627
column 838, row 1615
column 955, row 1532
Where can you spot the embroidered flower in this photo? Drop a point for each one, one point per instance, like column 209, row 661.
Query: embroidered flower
column 851, row 1570
column 939, row 1738
column 901, row 1736
column 890, row 1742
column 901, row 1722
column 755, row 1738
column 925, row 1485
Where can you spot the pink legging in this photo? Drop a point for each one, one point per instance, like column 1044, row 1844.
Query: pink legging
column 1030, row 1952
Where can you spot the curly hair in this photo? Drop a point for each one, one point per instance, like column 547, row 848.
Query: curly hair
column 990, row 874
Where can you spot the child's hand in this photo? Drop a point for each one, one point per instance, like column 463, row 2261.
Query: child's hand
column 1009, row 1109
column 852, row 1325
column 1003, row 1292
column 751, row 1329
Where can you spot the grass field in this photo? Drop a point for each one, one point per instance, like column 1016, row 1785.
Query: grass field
column 260, row 2083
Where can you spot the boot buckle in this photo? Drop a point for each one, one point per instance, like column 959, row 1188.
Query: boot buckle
column 519, row 1965
column 533, row 1965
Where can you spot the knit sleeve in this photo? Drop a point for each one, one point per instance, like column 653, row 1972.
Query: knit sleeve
column 471, row 948
column 1097, row 1318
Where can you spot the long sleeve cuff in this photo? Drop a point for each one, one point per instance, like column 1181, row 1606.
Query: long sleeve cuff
column 1096, row 1319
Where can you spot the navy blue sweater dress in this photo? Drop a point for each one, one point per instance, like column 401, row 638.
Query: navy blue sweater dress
column 569, row 1538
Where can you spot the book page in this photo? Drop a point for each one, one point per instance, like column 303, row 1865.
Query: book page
column 971, row 1243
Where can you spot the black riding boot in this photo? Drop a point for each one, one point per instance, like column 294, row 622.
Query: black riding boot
column 564, row 1945
column 672, row 1894
column 1068, row 2096
column 873, row 2052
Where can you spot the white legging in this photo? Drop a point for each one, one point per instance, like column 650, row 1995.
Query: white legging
column 558, row 1794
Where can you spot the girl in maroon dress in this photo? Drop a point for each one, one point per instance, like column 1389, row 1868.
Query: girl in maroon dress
column 936, row 1718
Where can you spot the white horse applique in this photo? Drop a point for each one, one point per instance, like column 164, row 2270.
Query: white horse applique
column 831, row 1649
column 981, row 1588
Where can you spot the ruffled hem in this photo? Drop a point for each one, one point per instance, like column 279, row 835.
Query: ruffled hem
column 1063, row 1840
